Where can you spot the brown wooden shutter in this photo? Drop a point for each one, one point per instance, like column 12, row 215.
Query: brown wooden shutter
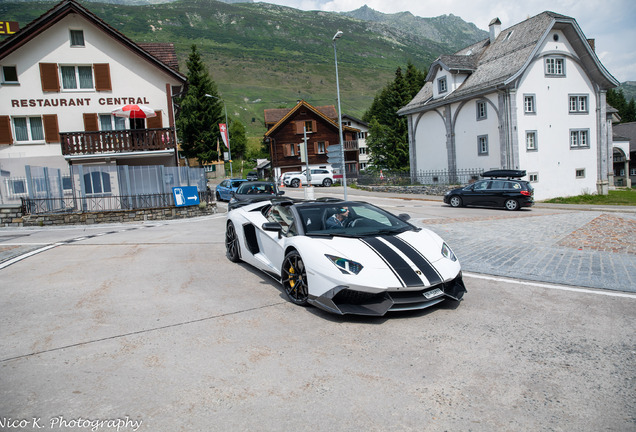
column 51, row 129
column 90, row 122
column 102, row 77
column 155, row 122
column 313, row 126
column 287, row 149
column 299, row 126
column 5, row 130
column 49, row 77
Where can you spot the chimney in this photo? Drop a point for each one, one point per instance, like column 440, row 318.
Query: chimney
column 495, row 29
column 592, row 43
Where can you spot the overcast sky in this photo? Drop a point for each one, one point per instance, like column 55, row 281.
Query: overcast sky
column 611, row 22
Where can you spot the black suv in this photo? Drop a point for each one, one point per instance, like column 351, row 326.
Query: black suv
column 502, row 189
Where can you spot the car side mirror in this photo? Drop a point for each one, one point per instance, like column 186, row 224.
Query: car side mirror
column 273, row 227
column 405, row 217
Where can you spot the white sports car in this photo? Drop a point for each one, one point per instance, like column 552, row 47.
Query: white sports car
column 344, row 257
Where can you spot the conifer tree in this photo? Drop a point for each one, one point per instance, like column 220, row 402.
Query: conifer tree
column 199, row 115
column 388, row 139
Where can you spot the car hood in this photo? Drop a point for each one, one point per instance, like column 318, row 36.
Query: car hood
column 414, row 257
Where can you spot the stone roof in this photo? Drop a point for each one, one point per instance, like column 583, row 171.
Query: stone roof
column 498, row 64
column 628, row 131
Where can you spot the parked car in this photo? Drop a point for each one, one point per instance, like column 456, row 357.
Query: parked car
column 252, row 176
column 369, row 263
column 319, row 177
column 226, row 187
column 250, row 192
column 502, row 189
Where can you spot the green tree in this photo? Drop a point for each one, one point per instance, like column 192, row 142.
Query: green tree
column 238, row 140
column 629, row 115
column 199, row 115
column 388, row 139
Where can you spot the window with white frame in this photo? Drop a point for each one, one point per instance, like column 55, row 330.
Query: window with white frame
column 109, row 122
column 482, row 112
column 580, row 173
column 321, row 147
column 579, row 138
column 77, row 77
column 28, row 129
column 16, row 187
column 9, row 75
column 442, row 85
column 578, row 104
column 531, row 141
column 555, row 66
column 482, row 145
column 529, row 105
column 632, row 171
column 77, row 38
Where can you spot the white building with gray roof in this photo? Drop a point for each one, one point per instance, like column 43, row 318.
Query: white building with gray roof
column 530, row 97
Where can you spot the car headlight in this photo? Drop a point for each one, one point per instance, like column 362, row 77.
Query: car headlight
column 447, row 252
column 346, row 266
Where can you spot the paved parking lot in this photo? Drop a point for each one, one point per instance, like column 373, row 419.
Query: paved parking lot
column 150, row 327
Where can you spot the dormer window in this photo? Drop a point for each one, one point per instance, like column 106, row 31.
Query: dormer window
column 77, row 38
column 442, row 85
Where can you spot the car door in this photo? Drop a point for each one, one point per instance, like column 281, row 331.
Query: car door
column 223, row 190
column 476, row 194
column 497, row 193
column 273, row 243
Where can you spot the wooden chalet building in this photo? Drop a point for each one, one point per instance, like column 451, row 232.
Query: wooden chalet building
column 285, row 135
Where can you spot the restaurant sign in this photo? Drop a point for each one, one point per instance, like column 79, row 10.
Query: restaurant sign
column 70, row 102
column 9, row 27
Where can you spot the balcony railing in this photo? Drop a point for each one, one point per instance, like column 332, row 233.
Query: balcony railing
column 117, row 141
column 351, row 145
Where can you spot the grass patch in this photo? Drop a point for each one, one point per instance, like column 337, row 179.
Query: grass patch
column 615, row 197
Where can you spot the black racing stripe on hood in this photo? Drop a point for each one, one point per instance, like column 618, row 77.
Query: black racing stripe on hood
column 399, row 266
column 418, row 259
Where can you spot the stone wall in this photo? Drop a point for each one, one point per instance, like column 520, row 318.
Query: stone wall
column 11, row 216
column 436, row 190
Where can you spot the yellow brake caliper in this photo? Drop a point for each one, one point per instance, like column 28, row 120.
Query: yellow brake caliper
column 292, row 282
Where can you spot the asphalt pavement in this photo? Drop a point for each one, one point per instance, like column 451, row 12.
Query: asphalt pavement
column 587, row 246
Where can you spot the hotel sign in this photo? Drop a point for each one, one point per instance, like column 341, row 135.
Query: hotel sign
column 9, row 27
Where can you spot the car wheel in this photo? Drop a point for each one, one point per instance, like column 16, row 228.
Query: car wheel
column 218, row 196
column 512, row 205
column 232, row 247
column 455, row 201
column 294, row 278
column 295, row 183
column 327, row 182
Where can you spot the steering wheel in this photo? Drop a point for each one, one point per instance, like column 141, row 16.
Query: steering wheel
column 351, row 223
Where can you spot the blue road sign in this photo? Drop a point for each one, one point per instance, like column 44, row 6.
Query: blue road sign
column 185, row 196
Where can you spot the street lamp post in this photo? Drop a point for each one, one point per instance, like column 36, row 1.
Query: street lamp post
column 229, row 151
column 343, row 166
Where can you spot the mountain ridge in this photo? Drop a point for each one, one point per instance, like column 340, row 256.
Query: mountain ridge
column 268, row 56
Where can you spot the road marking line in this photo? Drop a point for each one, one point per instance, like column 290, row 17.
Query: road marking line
column 28, row 254
column 555, row 287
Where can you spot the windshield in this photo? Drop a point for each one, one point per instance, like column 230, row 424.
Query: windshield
column 349, row 219
column 257, row 188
